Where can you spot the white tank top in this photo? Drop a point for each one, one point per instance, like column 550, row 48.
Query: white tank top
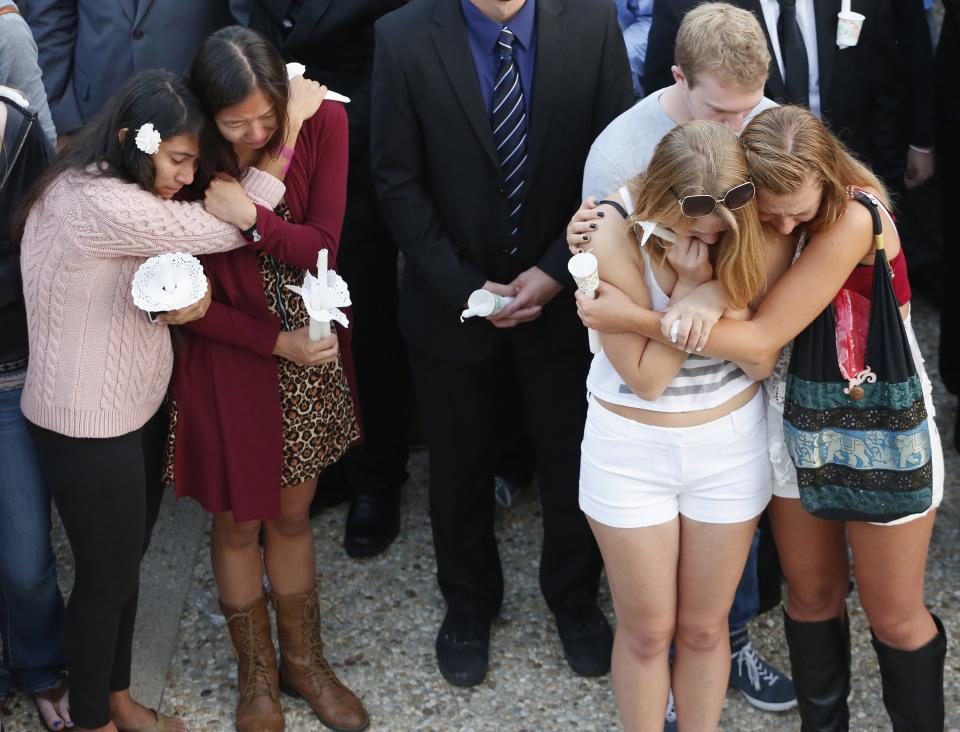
column 702, row 382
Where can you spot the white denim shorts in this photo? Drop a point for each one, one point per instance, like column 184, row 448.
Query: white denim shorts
column 634, row 474
column 787, row 487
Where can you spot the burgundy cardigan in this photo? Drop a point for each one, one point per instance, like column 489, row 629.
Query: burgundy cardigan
column 229, row 442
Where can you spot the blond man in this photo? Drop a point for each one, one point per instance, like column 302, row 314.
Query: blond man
column 722, row 64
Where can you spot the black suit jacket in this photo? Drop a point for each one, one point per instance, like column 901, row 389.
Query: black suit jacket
column 439, row 179
column 948, row 65
column 862, row 92
column 334, row 40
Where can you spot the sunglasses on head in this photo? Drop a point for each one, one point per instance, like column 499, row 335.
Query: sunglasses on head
column 703, row 204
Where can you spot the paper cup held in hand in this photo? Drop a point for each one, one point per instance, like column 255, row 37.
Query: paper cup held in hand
column 483, row 303
column 848, row 28
column 585, row 270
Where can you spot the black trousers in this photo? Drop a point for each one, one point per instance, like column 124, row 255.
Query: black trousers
column 948, row 164
column 462, row 418
column 107, row 492
column 368, row 262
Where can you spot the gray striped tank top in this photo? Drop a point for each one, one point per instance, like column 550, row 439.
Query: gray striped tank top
column 702, row 382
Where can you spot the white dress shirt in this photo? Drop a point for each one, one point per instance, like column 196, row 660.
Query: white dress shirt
column 808, row 27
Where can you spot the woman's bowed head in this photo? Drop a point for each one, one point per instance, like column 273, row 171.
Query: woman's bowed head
column 154, row 111
column 698, row 185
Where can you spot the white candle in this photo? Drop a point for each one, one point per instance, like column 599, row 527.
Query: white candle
column 320, row 329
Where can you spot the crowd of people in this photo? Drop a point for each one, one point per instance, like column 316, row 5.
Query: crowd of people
column 737, row 171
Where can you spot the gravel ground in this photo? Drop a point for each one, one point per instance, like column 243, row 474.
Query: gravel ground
column 381, row 616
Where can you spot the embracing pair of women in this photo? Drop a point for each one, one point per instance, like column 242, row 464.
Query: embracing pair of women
column 683, row 450
column 249, row 170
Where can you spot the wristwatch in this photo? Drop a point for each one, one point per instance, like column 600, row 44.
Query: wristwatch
column 253, row 233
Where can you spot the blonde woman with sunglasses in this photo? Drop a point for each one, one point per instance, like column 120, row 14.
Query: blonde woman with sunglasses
column 674, row 468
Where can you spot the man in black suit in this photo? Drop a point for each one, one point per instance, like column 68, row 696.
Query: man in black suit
column 334, row 40
column 477, row 180
column 948, row 155
column 858, row 91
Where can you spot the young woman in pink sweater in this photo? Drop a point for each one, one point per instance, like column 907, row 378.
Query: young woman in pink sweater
column 99, row 369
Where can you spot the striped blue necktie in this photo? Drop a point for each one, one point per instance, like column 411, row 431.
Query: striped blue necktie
column 509, row 120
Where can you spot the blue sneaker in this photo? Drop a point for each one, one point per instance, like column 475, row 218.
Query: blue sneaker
column 763, row 686
column 670, row 718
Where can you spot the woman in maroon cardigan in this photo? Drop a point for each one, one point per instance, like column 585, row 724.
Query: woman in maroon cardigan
column 258, row 409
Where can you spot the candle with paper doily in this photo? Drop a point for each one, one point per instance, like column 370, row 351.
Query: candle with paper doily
column 168, row 282
column 323, row 297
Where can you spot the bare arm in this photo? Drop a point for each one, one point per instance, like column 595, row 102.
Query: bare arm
column 646, row 367
column 794, row 302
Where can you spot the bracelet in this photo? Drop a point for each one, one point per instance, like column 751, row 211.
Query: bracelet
column 923, row 150
column 287, row 152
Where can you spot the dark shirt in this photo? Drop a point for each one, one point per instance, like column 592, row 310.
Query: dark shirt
column 19, row 174
column 483, row 34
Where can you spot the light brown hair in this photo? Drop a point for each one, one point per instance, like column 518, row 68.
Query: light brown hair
column 724, row 40
column 785, row 146
column 704, row 157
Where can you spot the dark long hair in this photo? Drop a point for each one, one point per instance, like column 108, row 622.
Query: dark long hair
column 230, row 66
column 161, row 98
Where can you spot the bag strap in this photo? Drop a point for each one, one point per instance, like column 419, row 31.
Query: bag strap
column 9, row 9
column 873, row 206
column 19, row 141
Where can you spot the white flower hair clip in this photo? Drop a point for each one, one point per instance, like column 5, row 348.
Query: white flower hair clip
column 148, row 139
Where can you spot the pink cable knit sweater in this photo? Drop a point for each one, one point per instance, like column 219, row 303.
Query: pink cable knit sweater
column 98, row 367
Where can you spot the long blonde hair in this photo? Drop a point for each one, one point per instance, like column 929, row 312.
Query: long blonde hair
column 704, row 157
column 785, row 146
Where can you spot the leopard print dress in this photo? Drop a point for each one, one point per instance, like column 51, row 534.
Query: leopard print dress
column 319, row 421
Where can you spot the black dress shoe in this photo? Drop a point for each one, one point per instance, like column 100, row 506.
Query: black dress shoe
column 587, row 640
column 373, row 522
column 463, row 649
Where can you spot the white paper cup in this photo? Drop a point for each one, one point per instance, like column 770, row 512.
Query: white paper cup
column 585, row 270
column 848, row 28
column 483, row 303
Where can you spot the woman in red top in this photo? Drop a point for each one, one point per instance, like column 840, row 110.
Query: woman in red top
column 258, row 409
column 804, row 180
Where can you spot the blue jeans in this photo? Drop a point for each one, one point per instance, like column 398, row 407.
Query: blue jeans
column 31, row 607
column 746, row 603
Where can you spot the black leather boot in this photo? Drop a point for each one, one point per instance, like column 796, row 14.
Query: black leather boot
column 820, row 663
column 913, row 683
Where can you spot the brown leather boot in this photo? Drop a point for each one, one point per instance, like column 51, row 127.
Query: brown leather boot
column 259, row 707
column 304, row 672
